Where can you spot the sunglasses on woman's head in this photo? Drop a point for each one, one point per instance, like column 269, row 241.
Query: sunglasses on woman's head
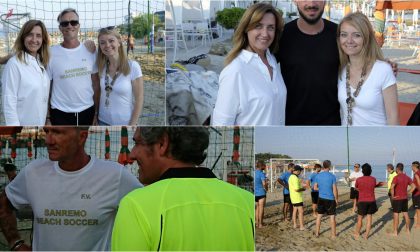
column 72, row 22
column 109, row 28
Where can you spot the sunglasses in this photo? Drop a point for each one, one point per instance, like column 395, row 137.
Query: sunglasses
column 109, row 28
column 72, row 22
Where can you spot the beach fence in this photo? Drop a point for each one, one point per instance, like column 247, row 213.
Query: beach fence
column 230, row 154
column 144, row 19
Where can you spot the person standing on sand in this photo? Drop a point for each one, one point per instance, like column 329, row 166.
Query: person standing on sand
column 296, row 196
column 283, row 180
column 325, row 183
column 366, row 205
column 354, row 194
column 400, row 198
column 415, row 166
column 261, row 188
column 391, row 176
column 314, row 194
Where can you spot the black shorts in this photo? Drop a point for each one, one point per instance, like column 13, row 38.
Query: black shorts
column 257, row 198
column 364, row 208
column 314, row 196
column 298, row 204
column 286, row 198
column 326, row 206
column 399, row 206
column 354, row 194
column 84, row 117
column 416, row 202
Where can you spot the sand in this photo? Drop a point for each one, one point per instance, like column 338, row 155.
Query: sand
column 278, row 235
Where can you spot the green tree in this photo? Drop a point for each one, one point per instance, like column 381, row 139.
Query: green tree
column 142, row 25
column 267, row 156
column 229, row 18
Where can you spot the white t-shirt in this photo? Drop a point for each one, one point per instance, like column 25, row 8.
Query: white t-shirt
column 247, row 95
column 71, row 70
column 121, row 101
column 355, row 175
column 25, row 91
column 369, row 108
column 72, row 210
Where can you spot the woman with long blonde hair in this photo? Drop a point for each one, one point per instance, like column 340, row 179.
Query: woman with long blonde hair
column 367, row 89
column 121, row 80
column 251, row 87
column 25, row 81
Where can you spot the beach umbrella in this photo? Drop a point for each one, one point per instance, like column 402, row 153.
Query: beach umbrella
column 124, row 151
column 107, row 144
column 381, row 6
column 236, row 141
column 29, row 144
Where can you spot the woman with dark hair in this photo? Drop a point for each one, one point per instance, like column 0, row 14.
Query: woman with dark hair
column 25, row 81
column 367, row 89
column 251, row 87
column 366, row 205
column 121, row 80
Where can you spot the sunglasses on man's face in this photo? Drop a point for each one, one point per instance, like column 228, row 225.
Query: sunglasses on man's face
column 109, row 28
column 72, row 22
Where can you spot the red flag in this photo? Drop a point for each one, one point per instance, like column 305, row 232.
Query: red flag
column 9, row 13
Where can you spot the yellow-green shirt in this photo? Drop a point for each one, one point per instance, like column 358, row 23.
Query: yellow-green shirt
column 391, row 176
column 294, row 184
column 186, row 213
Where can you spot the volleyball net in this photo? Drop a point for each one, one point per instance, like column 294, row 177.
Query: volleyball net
column 144, row 19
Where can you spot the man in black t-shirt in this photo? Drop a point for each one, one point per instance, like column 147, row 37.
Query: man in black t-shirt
column 309, row 62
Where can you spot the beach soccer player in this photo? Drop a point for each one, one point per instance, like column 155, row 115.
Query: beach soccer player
column 314, row 194
column 283, row 180
column 261, row 188
column 415, row 166
column 325, row 183
column 296, row 196
column 366, row 205
column 391, row 175
column 400, row 198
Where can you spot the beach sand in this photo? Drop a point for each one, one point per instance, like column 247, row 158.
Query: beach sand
column 278, row 235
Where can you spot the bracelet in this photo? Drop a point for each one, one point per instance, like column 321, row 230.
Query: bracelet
column 17, row 245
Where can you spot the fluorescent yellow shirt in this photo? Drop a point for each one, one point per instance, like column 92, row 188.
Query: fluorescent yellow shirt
column 391, row 176
column 185, row 214
column 294, row 184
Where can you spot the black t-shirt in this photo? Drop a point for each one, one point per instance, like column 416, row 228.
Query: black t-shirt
column 309, row 65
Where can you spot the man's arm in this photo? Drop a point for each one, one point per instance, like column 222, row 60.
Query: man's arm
column 316, row 186
column 8, row 223
column 96, row 95
column 335, row 192
column 392, row 190
column 282, row 183
column 265, row 184
column 416, row 177
column 412, row 187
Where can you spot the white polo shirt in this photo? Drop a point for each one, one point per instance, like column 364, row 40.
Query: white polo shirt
column 71, row 70
column 247, row 95
column 25, row 91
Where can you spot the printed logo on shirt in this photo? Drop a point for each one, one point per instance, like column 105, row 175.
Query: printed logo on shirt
column 76, row 72
column 85, row 196
column 54, row 217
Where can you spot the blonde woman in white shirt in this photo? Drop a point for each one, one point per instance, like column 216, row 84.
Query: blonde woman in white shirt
column 121, row 80
column 25, row 82
column 251, row 87
column 367, row 89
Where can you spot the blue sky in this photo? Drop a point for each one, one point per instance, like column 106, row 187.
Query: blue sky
column 366, row 144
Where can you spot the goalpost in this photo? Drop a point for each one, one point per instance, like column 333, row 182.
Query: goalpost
column 279, row 165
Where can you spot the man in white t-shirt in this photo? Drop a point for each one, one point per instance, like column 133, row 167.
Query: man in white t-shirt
column 74, row 197
column 354, row 194
column 75, row 88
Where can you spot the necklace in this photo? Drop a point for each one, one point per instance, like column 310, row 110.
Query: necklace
column 108, row 86
column 350, row 100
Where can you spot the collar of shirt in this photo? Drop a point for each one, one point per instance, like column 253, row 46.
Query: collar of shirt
column 187, row 172
column 247, row 56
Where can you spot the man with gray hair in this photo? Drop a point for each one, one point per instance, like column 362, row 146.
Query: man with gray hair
column 75, row 88
column 184, row 206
